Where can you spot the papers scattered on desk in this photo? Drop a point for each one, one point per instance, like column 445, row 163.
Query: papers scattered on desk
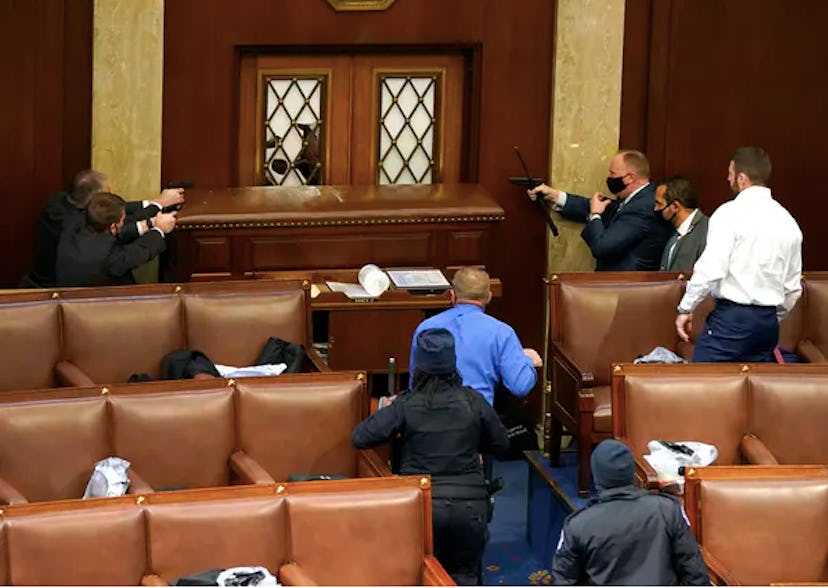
column 418, row 279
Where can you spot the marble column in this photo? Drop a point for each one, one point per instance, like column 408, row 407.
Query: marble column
column 127, row 83
column 586, row 115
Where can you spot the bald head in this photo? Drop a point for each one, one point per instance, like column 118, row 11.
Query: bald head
column 471, row 284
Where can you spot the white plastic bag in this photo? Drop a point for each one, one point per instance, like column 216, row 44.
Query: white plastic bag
column 266, row 369
column 666, row 462
column 109, row 478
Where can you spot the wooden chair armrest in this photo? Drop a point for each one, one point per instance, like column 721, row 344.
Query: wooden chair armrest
column 292, row 574
column 137, row 484
column 153, row 580
column 756, row 452
column 719, row 575
column 68, row 374
column 645, row 474
column 9, row 494
column 434, row 574
column 809, row 351
column 314, row 362
column 371, row 465
column 581, row 378
column 248, row 470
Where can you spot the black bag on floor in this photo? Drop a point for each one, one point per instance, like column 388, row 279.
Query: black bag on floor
column 521, row 438
column 208, row 578
column 184, row 364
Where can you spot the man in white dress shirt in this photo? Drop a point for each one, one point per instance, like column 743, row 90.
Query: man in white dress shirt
column 752, row 265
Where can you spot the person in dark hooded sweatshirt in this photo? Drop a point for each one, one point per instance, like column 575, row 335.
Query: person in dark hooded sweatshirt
column 444, row 427
column 627, row 535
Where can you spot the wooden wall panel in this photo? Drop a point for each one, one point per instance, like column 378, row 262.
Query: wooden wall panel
column 512, row 42
column 45, row 114
column 715, row 75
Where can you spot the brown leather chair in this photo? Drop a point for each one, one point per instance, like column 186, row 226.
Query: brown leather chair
column 100, row 546
column 49, row 449
column 814, row 344
column 34, row 327
column 289, row 429
column 176, row 440
column 191, row 537
column 597, row 319
column 758, row 525
column 697, row 402
column 390, row 529
column 788, row 415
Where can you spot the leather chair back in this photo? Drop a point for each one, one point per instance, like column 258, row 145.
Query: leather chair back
column 386, row 531
column 767, row 530
column 300, row 429
column 792, row 328
column 800, row 402
column 4, row 572
column 102, row 546
column 816, row 320
column 48, row 450
column 191, row 537
column 687, row 408
column 112, row 339
column 32, row 335
column 606, row 323
column 178, row 439
column 232, row 328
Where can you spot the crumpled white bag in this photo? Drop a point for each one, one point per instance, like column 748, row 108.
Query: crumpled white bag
column 666, row 462
column 266, row 369
column 226, row 578
column 109, row 478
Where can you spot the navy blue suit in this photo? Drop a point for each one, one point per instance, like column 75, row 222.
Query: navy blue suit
column 627, row 238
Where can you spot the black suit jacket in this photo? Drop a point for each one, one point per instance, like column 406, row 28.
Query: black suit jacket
column 627, row 238
column 87, row 258
column 59, row 214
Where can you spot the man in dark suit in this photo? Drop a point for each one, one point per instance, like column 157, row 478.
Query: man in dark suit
column 676, row 203
column 622, row 233
column 92, row 254
column 65, row 209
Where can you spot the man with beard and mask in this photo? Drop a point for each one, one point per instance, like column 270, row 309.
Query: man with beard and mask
column 675, row 203
column 626, row 535
column 623, row 234
column 752, row 266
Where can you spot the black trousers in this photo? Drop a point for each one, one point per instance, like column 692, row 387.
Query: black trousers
column 738, row 332
column 460, row 537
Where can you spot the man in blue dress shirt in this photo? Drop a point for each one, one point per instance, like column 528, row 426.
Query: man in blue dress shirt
column 488, row 350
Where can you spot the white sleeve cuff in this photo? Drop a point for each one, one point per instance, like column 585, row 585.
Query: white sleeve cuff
column 561, row 201
column 140, row 230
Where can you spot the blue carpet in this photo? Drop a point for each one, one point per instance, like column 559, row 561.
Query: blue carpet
column 509, row 558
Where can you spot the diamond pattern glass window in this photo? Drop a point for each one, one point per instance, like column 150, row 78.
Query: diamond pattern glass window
column 408, row 128
column 294, row 130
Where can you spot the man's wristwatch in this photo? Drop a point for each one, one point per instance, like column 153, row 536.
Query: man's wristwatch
column 680, row 310
column 594, row 216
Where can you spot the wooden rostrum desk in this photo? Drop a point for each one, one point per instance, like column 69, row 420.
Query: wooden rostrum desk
column 228, row 233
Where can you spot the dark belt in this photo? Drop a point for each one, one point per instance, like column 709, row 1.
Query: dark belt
column 459, row 491
column 726, row 302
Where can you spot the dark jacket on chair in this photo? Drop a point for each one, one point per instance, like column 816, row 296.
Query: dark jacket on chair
column 627, row 238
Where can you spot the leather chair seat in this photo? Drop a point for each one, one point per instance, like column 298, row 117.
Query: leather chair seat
column 602, row 417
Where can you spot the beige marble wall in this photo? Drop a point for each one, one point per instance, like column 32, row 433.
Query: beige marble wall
column 127, row 83
column 586, row 111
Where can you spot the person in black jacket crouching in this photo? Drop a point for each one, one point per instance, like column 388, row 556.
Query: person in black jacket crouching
column 627, row 535
column 444, row 427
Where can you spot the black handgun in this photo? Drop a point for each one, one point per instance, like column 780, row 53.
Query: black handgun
column 677, row 447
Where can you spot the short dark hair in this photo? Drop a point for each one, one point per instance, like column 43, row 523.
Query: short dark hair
column 754, row 162
column 103, row 210
column 681, row 190
column 86, row 183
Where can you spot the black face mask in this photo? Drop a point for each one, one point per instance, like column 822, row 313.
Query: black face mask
column 660, row 216
column 615, row 185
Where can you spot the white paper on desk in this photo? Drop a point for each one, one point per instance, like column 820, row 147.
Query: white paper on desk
column 418, row 278
column 353, row 291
